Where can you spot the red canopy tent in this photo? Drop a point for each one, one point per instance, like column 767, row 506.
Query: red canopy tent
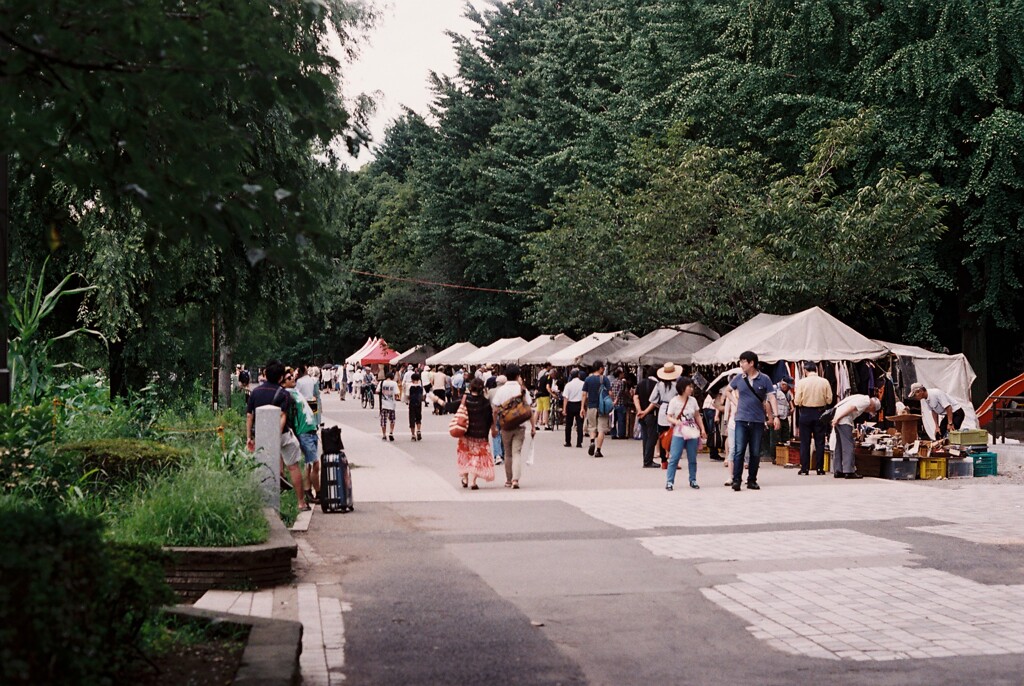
column 379, row 354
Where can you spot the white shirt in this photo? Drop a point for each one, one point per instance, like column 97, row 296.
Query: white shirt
column 573, row 392
column 938, row 401
column 307, row 386
column 388, row 393
column 861, row 402
column 507, row 391
column 662, row 395
column 676, row 407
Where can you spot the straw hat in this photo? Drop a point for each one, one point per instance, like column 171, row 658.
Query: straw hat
column 670, row 372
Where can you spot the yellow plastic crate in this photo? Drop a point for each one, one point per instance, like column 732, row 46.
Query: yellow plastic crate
column 969, row 437
column 931, row 468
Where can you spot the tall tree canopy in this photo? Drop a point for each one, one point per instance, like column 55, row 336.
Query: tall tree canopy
column 848, row 135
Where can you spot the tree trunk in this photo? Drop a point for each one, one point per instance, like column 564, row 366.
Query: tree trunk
column 974, row 342
column 226, row 368
column 117, row 367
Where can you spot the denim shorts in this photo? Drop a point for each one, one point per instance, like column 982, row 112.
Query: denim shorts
column 309, row 443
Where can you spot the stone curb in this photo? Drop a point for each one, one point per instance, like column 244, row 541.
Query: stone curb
column 196, row 570
column 271, row 656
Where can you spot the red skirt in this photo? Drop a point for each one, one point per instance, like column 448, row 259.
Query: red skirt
column 475, row 458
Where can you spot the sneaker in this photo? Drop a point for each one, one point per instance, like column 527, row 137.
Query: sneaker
column 597, row 453
column 592, row 448
column 752, row 486
column 693, row 485
column 854, row 475
column 498, row 461
column 391, row 437
column 668, row 487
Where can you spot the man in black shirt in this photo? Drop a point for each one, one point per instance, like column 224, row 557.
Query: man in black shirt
column 648, row 420
column 270, row 392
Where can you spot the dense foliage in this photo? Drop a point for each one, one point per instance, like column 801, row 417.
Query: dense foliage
column 599, row 164
column 652, row 161
column 72, row 607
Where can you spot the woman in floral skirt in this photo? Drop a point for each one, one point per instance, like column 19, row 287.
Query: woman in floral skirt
column 474, row 449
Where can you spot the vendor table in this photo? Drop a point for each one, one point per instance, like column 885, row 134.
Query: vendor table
column 1004, row 406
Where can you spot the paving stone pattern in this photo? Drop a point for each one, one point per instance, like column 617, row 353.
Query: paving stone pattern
column 773, row 545
column 888, row 613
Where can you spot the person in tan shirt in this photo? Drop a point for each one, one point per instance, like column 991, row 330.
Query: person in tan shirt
column 813, row 396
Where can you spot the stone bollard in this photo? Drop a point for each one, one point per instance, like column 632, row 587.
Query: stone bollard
column 268, row 452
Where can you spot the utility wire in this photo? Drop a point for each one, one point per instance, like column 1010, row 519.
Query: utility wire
column 440, row 284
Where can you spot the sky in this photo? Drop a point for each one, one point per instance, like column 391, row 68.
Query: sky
column 395, row 62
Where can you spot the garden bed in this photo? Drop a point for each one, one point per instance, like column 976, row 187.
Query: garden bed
column 193, row 571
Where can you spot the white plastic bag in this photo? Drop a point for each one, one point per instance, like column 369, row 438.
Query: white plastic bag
column 530, row 455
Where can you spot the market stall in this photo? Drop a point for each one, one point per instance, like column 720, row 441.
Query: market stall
column 379, row 354
column 596, row 346
column 415, row 355
column 357, row 355
column 672, row 344
column 452, row 354
column 492, row 353
column 537, row 351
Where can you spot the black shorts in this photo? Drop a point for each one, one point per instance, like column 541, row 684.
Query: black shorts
column 415, row 414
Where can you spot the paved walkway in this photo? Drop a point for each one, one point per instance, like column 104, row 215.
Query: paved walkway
column 597, row 565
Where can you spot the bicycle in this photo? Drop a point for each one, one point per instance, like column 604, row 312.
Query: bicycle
column 555, row 416
column 367, row 393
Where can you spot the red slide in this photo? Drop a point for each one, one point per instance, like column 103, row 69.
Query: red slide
column 1014, row 386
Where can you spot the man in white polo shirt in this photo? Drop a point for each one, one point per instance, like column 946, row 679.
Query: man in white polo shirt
column 940, row 405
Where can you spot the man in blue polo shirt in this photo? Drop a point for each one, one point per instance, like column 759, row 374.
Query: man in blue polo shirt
column 750, row 389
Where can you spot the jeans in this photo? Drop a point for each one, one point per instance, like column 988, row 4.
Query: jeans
column 572, row 416
column 748, row 439
column 649, row 436
column 620, row 421
column 809, row 431
column 676, row 451
column 309, row 444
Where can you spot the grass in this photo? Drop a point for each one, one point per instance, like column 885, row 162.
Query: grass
column 202, row 505
column 289, row 508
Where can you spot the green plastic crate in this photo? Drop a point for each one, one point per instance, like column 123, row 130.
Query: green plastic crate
column 986, row 464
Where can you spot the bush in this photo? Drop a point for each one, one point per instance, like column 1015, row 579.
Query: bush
column 119, row 460
column 71, row 605
column 202, row 505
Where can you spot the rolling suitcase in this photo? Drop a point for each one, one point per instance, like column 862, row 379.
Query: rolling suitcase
column 335, row 474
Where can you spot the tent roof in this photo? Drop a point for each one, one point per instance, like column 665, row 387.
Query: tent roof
column 493, row 352
column 379, row 354
column 809, row 335
column 538, row 350
column 451, row 354
column 952, row 373
column 414, row 355
column 673, row 344
column 357, row 355
column 594, row 347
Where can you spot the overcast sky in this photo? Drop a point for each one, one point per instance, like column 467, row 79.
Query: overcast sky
column 408, row 43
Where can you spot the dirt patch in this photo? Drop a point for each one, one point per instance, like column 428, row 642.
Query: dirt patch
column 193, row 655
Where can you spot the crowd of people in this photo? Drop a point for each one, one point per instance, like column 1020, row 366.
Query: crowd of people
column 740, row 422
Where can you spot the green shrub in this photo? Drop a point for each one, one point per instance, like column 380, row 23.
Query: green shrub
column 202, row 505
column 116, row 460
column 71, row 605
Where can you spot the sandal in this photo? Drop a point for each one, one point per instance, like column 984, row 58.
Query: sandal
column 508, row 484
column 465, row 481
column 515, row 485
column 419, row 436
column 474, row 487
column 305, row 508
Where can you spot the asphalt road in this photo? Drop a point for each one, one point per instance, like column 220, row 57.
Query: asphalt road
column 542, row 586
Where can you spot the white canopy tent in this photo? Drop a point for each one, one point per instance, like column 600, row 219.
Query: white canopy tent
column 950, row 373
column 673, row 344
column 452, row 354
column 415, row 355
column 596, row 346
column 538, row 350
column 354, row 358
column 809, row 335
column 493, row 352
